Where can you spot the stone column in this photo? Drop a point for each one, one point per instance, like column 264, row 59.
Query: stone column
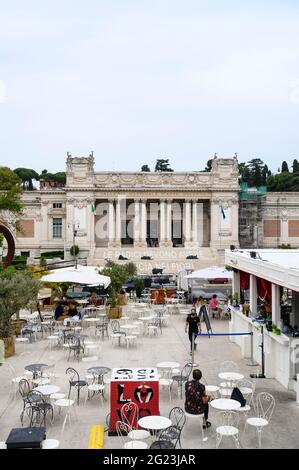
column 169, row 222
column 215, row 225
column 187, row 222
column 143, row 223
column 111, row 222
column 236, row 283
column 137, row 222
column 275, row 303
column 253, row 295
column 162, row 222
column 194, row 222
column 118, row 222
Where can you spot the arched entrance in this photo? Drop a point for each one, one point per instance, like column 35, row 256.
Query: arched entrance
column 10, row 244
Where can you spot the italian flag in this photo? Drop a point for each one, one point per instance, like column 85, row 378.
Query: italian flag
column 93, row 211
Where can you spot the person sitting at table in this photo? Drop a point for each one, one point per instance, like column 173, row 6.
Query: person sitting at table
column 73, row 312
column 64, row 314
column 58, row 310
column 196, row 399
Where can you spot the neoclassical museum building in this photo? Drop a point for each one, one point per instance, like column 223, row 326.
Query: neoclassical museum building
column 173, row 220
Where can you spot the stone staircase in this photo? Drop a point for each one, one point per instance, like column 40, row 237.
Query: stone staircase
column 172, row 260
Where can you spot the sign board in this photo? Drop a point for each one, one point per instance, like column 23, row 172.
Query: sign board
column 204, row 314
column 138, row 385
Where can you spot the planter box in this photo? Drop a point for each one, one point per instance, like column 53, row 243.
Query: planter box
column 9, row 344
column 115, row 312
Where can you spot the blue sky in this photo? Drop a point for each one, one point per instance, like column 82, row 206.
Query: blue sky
column 139, row 80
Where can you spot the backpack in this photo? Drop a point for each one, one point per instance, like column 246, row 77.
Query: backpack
column 238, row 396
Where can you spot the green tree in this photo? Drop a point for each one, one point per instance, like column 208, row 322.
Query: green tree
column 27, row 175
column 255, row 170
column 162, row 165
column 59, row 177
column 119, row 276
column 145, row 168
column 284, row 167
column 17, row 290
column 10, row 196
column 295, row 166
column 131, row 269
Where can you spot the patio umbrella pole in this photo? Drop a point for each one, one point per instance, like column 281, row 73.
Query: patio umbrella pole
column 192, row 363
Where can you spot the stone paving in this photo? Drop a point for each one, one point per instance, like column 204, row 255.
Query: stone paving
column 172, row 345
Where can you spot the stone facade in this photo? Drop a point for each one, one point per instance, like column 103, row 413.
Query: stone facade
column 139, row 213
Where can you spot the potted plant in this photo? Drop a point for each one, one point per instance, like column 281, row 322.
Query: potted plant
column 17, row 290
column 119, row 275
column 139, row 286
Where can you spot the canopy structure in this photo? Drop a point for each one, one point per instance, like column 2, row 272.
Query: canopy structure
column 213, row 272
column 88, row 275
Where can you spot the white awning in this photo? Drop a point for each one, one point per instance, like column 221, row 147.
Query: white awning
column 88, row 275
column 213, row 272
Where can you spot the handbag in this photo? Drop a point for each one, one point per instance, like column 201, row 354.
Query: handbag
column 238, row 396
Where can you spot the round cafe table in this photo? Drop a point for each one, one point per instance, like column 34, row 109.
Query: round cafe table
column 225, row 404
column 231, row 376
column 35, row 368
column 47, row 390
column 168, row 366
column 154, row 423
column 98, row 370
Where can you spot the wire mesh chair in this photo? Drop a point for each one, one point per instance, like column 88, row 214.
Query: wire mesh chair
column 178, row 418
column 24, row 389
column 38, row 408
column 183, row 377
column 130, row 414
column 264, row 407
column 123, row 431
column 75, row 382
column 168, row 438
column 227, row 426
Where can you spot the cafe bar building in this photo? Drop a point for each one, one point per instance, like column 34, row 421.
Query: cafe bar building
column 266, row 284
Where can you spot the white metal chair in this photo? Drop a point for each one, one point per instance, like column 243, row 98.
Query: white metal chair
column 247, row 388
column 123, row 432
column 198, row 417
column 265, row 404
column 227, row 426
column 130, row 414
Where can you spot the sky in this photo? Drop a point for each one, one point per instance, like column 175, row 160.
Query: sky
column 139, row 80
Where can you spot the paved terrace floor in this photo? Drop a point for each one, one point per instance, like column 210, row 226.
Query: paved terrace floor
column 172, row 345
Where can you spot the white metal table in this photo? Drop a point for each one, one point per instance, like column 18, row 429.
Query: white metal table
column 154, row 423
column 225, row 404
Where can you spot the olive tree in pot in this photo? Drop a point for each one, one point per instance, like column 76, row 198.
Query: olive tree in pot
column 119, row 275
column 17, row 290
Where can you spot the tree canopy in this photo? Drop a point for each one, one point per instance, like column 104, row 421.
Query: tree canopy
column 27, row 175
column 163, row 165
column 59, row 177
column 10, row 195
column 145, row 168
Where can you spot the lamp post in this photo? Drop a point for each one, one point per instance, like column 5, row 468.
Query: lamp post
column 75, row 225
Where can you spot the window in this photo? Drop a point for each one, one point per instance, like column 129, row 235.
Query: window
column 57, row 228
column 57, row 205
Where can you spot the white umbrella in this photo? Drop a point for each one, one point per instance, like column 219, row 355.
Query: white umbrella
column 213, row 272
column 82, row 275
